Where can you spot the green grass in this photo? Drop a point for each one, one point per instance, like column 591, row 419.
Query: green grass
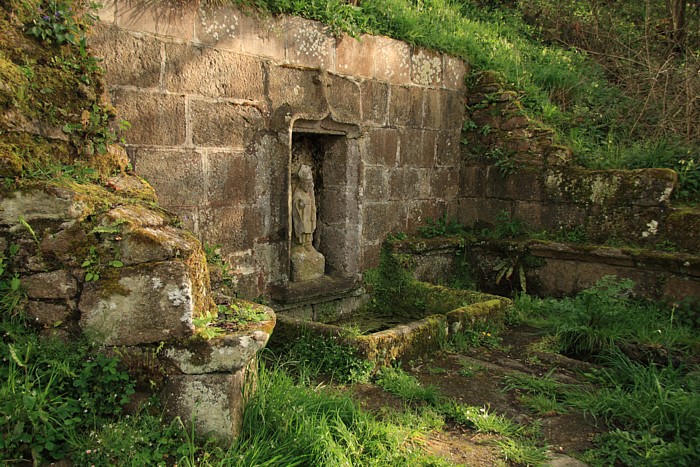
column 289, row 424
column 604, row 318
column 651, row 408
column 517, row 444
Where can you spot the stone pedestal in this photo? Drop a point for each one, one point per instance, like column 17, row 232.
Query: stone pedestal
column 307, row 264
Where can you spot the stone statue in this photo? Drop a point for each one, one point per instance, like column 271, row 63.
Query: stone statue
column 307, row 263
column 304, row 208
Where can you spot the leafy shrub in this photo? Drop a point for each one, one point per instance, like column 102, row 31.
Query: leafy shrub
column 317, row 354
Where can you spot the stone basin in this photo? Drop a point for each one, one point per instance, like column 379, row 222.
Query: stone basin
column 446, row 312
column 210, row 379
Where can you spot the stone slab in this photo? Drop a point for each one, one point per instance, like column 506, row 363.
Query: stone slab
column 392, row 61
column 224, row 26
column 157, row 119
column 224, row 124
column 171, row 18
column 426, row 67
column 140, row 305
column 309, row 43
column 355, row 57
column 177, row 175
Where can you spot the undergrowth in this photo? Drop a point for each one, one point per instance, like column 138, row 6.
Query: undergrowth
column 646, row 388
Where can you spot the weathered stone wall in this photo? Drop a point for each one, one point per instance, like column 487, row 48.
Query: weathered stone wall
column 513, row 165
column 552, row 268
column 216, row 98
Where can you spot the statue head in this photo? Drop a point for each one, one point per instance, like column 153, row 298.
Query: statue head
column 306, row 179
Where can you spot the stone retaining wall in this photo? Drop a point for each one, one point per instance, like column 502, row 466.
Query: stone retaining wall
column 216, row 99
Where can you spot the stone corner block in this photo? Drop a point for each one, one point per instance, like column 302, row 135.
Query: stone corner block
column 142, row 304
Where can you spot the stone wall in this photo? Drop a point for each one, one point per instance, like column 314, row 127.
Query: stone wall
column 217, row 99
column 513, row 165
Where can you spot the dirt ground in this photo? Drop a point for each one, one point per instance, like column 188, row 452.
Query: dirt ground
column 567, row 435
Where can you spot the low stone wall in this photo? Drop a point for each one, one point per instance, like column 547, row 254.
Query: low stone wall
column 513, row 166
column 222, row 104
column 551, row 268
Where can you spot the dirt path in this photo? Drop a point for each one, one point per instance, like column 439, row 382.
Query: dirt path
column 476, row 377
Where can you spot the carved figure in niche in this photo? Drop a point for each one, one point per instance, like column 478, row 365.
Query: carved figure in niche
column 304, row 208
column 307, row 263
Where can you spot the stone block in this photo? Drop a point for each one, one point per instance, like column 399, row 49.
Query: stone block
column 237, row 227
column 224, row 26
column 454, row 109
column 340, row 244
column 213, row 73
column 448, row 147
column 376, row 184
column 383, row 147
column 434, row 115
column 467, row 211
column 49, row 206
column 142, row 304
column 370, row 255
column 344, row 100
column 380, row 219
column 488, row 209
column 310, row 44
column 419, row 211
column 355, row 57
column 454, row 71
column 527, row 184
column 46, row 314
column 150, row 244
column 426, row 67
column 226, row 354
column 392, row 61
column 406, row 106
column 307, row 264
column 334, row 206
column 172, row 18
column 417, row 148
column 404, row 184
column 223, row 124
column 127, row 59
column 65, row 245
column 213, row 402
column 107, row 11
column 228, row 176
column 176, row 175
column 50, row 285
column 298, row 92
column 156, row 119
column 473, row 181
column 375, row 101
column 444, row 184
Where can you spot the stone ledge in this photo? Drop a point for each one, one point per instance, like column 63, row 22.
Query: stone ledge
column 322, row 288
